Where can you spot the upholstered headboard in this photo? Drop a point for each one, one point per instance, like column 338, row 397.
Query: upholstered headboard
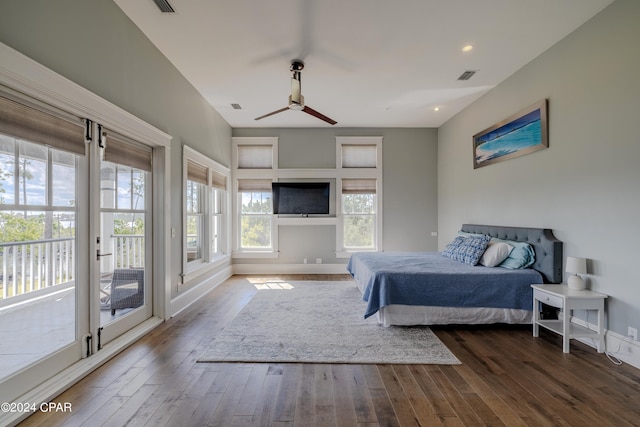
column 547, row 248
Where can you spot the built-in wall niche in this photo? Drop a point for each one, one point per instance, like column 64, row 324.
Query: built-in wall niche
column 357, row 174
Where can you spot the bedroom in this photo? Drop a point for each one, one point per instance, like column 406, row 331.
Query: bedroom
column 584, row 186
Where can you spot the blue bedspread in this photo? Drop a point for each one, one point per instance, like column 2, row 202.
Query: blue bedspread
column 428, row 278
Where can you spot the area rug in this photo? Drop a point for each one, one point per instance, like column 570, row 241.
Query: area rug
column 320, row 322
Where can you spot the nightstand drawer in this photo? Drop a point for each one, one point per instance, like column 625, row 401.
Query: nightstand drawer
column 544, row 297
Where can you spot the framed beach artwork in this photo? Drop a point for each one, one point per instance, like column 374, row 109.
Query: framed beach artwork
column 520, row 134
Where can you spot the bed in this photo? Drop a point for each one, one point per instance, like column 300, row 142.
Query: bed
column 426, row 288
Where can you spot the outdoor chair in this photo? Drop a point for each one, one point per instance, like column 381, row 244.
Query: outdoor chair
column 127, row 288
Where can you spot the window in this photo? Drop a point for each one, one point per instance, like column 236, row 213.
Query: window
column 359, row 213
column 255, row 161
column 205, row 212
column 359, row 161
column 218, row 247
column 195, row 219
column 255, row 214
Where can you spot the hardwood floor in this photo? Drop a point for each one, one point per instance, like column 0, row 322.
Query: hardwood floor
column 507, row 377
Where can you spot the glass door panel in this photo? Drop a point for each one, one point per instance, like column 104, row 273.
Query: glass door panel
column 124, row 249
column 39, row 259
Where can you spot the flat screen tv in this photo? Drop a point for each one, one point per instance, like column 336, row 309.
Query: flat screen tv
column 300, row 198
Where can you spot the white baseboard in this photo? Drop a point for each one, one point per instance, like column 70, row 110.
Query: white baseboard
column 185, row 299
column 290, row 269
column 616, row 345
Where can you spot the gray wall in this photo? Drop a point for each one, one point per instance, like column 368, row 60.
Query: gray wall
column 93, row 44
column 409, row 167
column 586, row 186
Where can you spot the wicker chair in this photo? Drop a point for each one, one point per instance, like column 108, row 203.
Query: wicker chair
column 127, row 288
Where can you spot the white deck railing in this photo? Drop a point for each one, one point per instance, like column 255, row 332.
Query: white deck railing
column 129, row 250
column 39, row 264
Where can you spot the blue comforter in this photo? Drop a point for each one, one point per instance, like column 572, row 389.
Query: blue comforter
column 428, row 278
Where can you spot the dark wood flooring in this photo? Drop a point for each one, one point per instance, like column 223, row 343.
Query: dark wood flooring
column 507, row 377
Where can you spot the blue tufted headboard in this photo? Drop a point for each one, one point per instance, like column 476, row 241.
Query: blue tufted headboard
column 547, row 248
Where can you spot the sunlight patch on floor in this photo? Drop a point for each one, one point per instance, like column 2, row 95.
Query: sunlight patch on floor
column 273, row 285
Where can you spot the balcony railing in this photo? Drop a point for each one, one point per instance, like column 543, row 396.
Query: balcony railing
column 41, row 264
column 129, row 250
column 36, row 264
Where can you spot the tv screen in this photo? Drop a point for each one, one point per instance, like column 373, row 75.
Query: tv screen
column 300, row 198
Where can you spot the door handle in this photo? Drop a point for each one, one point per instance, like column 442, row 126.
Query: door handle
column 98, row 255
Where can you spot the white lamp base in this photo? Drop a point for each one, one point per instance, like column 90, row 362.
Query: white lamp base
column 576, row 283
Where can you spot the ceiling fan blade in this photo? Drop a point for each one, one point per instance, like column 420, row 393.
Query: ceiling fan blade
column 321, row 116
column 272, row 113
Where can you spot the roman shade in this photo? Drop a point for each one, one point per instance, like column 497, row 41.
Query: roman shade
column 123, row 151
column 32, row 124
column 254, row 185
column 196, row 172
column 359, row 186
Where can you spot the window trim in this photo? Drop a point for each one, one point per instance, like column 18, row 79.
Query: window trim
column 208, row 261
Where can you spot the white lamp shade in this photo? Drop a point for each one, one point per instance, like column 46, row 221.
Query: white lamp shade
column 576, row 265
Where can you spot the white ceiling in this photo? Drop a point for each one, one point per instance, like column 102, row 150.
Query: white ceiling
column 368, row 63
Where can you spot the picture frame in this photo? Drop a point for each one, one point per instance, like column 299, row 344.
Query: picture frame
column 522, row 133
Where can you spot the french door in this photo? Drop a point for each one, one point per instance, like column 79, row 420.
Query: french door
column 75, row 240
column 121, row 231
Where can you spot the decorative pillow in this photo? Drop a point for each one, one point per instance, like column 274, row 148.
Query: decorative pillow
column 451, row 247
column 467, row 249
column 521, row 256
column 495, row 253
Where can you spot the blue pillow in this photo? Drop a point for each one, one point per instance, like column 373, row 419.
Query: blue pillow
column 522, row 255
column 467, row 249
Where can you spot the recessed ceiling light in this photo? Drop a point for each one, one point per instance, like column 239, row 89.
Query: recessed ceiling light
column 467, row 48
column 436, row 109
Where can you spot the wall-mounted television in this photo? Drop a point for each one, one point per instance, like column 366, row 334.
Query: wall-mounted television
column 301, row 198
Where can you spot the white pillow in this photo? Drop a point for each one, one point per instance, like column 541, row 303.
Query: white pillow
column 495, row 253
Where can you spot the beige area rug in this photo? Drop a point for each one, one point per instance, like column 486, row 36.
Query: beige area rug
column 320, row 322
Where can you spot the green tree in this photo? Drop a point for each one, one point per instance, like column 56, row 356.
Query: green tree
column 256, row 220
column 17, row 228
column 359, row 210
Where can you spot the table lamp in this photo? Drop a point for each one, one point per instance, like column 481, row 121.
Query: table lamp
column 576, row 266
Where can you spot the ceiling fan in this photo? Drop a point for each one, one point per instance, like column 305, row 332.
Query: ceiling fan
column 296, row 100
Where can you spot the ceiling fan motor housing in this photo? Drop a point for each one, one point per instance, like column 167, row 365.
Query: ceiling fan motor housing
column 296, row 65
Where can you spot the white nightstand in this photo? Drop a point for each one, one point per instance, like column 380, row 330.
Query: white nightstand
column 560, row 296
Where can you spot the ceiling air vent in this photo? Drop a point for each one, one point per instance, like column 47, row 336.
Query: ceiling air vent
column 164, row 6
column 466, row 75
column 236, row 106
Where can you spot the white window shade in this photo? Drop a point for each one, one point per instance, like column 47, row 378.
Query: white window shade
column 359, row 156
column 358, row 186
column 255, row 157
